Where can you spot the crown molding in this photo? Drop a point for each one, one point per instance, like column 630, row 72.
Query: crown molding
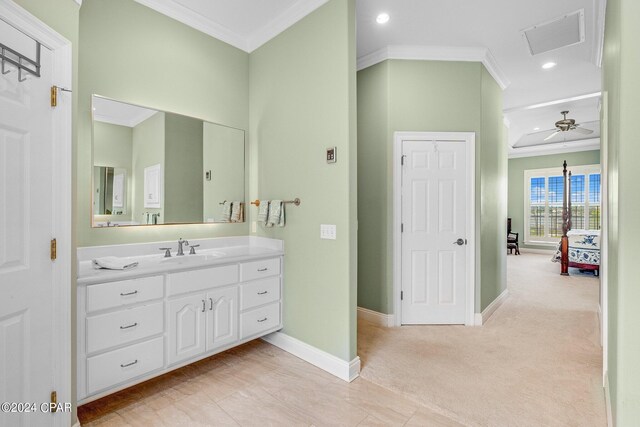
column 557, row 148
column 293, row 14
column 247, row 43
column 598, row 46
column 438, row 53
column 554, row 102
column 194, row 20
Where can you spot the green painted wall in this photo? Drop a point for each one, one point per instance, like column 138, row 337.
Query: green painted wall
column 148, row 150
column 373, row 121
column 402, row 95
column 302, row 101
column 113, row 147
column 492, row 163
column 621, row 90
column 517, row 167
column 144, row 63
column 183, row 169
column 223, row 155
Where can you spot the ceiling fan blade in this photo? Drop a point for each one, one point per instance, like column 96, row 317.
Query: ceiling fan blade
column 552, row 135
column 582, row 130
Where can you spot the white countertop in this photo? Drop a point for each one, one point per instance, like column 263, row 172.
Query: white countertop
column 211, row 252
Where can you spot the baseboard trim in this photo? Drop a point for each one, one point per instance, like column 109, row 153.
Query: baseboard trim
column 347, row 371
column 378, row 319
column 607, row 400
column 491, row 308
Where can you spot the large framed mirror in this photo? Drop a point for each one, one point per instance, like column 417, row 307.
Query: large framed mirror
column 154, row 167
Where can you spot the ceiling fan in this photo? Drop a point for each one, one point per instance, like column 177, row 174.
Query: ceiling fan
column 566, row 125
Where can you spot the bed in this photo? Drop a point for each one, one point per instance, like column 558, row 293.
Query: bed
column 583, row 250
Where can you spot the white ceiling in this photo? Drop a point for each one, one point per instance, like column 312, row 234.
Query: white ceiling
column 486, row 30
column 119, row 113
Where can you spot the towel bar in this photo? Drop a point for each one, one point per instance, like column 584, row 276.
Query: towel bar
column 295, row 201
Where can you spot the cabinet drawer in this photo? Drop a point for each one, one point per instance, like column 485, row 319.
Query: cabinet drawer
column 259, row 269
column 125, row 292
column 111, row 329
column 120, row 365
column 259, row 292
column 199, row 280
column 259, row 320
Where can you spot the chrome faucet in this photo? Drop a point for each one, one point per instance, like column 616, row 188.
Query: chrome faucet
column 180, row 243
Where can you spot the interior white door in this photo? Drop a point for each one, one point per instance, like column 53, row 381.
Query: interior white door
column 434, row 218
column 26, row 227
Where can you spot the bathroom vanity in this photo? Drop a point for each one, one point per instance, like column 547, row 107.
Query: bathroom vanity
column 168, row 312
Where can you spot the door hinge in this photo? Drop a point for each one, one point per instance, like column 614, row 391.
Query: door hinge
column 54, row 96
column 402, row 159
column 54, row 249
column 54, row 401
column 401, row 295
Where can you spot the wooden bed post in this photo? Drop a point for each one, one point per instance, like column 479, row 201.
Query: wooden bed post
column 566, row 221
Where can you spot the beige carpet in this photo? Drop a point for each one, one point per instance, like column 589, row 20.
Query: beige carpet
column 536, row 362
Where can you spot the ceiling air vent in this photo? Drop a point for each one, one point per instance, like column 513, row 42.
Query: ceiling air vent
column 566, row 30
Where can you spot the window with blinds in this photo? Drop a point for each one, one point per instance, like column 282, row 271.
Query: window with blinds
column 544, row 193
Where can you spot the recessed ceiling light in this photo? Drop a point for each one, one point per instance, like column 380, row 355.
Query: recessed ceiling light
column 549, row 65
column 536, row 128
column 383, row 18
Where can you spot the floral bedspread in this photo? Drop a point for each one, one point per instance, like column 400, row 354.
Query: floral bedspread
column 584, row 247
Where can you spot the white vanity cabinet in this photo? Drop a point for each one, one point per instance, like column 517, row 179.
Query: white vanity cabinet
column 201, row 323
column 136, row 328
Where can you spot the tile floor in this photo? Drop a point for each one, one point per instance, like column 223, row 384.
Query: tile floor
column 256, row 384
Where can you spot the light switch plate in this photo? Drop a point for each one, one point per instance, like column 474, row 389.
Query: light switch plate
column 328, row 231
column 331, row 155
column 254, row 227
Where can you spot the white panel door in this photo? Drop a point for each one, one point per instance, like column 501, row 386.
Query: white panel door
column 222, row 317
column 434, row 209
column 26, row 227
column 186, row 327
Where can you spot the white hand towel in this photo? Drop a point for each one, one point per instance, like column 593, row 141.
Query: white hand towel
column 226, row 212
column 113, row 263
column 235, row 211
column 276, row 214
column 263, row 211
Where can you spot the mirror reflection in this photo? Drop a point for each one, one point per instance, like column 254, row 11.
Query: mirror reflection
column 156, row 167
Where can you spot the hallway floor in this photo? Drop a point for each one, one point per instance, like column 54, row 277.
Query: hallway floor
column 536, row 362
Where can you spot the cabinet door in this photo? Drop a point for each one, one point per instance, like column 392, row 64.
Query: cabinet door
column 222, row 317
column 186, row 327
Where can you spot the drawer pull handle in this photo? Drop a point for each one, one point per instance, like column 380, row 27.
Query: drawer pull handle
column 128, row 293
column 129, row 364
column 211, row 301
column 204, row 305
column 262, row 320
column 262, row 293
column 130, row 326
column 263, row 269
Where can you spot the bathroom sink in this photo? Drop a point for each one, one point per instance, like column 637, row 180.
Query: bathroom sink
column 193, row 259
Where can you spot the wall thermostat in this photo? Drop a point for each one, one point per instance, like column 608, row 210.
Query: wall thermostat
column 331, row 155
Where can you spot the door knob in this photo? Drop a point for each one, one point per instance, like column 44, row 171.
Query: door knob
column 459, row 242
